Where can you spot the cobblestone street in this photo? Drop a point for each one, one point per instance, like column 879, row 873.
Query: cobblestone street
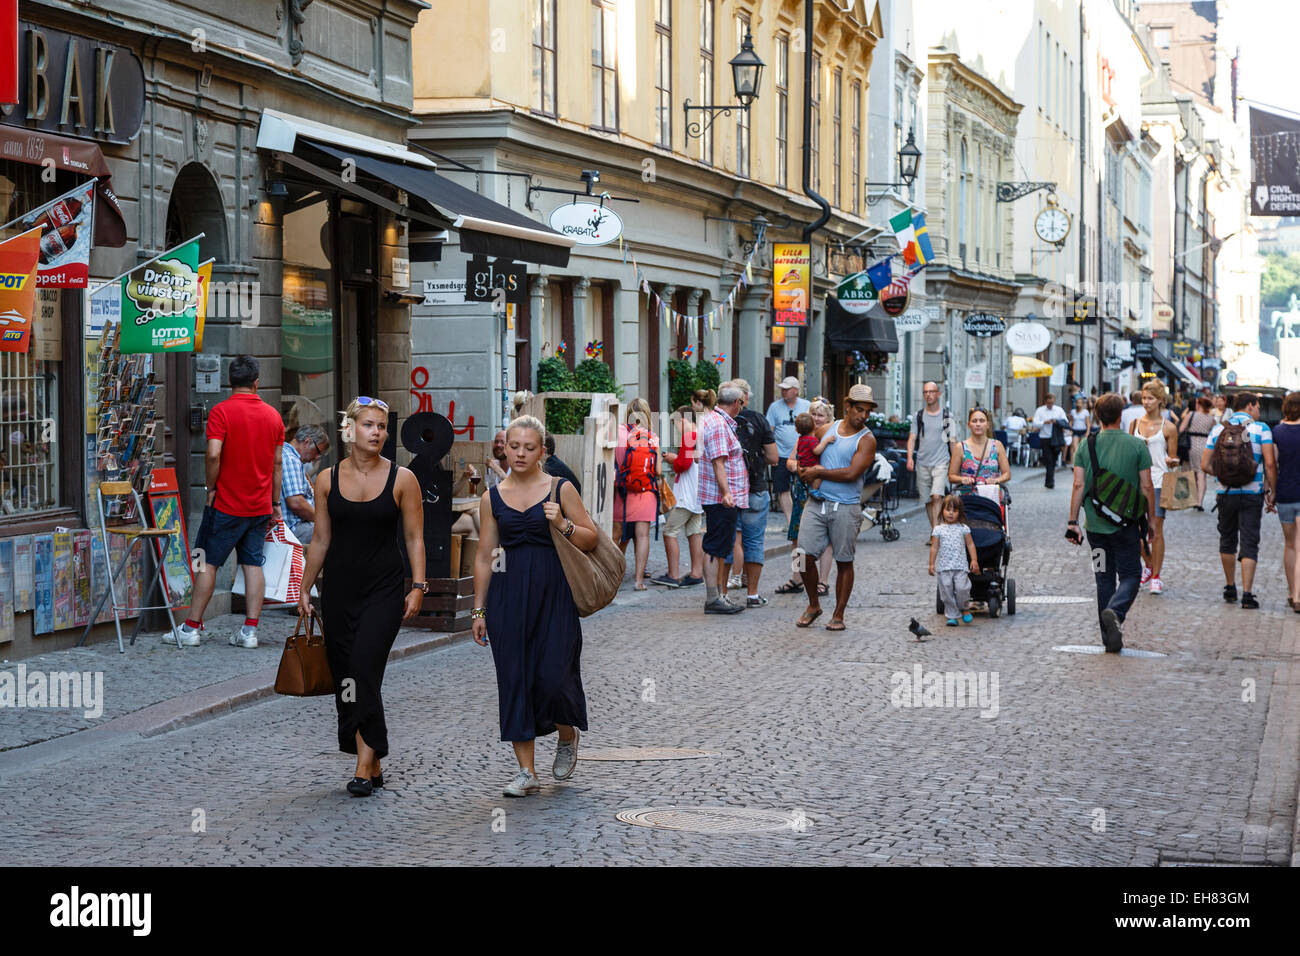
column 1081, row 759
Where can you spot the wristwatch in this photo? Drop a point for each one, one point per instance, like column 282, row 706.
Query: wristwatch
column 422, row 586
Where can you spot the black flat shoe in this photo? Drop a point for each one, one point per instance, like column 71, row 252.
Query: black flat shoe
column 360, row 787
column 377, row 782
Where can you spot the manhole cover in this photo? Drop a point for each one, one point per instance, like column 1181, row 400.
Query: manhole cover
column 711, row 819
column 1098, row 649
column 1054, row 599
column 645, row 753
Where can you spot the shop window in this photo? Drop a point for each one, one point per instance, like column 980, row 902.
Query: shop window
column 29, row 411
column 308, row 391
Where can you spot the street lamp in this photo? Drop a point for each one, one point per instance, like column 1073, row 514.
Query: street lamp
column 909, row 157
column 746, row 75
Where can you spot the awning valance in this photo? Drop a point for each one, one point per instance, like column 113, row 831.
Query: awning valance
column 871, row 331
column 76, row 156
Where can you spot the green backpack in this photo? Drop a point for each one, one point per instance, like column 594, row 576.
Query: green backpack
column 1118, row 501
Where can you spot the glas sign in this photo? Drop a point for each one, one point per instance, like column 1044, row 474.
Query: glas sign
column 984, row 325
column 587, row 223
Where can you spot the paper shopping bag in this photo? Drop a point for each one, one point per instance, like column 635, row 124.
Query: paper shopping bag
column 1178, row 489
column 282, row 566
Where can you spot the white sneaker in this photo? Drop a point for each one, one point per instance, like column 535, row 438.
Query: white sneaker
column 566, row 757
column 1157, row 586
column 247, row 637
column 182, row 636
column 735, row 581
column 1146, row 577
column 522, row 785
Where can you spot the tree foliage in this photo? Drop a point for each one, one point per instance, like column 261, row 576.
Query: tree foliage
column 684, row 378
column 1281, row 279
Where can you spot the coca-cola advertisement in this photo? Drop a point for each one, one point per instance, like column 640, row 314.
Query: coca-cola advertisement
column 66, row 229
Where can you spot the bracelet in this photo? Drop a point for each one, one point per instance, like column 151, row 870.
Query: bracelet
column 568, row 532
column 479, row 613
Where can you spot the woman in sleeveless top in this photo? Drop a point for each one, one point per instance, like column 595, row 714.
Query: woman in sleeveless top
column 523, row 600
column 1162, row 442
column 363, row 505
column 980, row 459
column 1286, row 439
column 1198, row 422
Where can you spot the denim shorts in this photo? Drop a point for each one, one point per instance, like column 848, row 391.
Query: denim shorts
column 753, row 527
column 1287, row 511
column 220, row 533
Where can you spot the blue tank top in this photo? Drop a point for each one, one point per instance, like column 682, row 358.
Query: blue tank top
column 839, row 454
column 1287, row 439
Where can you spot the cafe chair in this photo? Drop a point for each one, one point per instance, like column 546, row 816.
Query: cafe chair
column 135, row 534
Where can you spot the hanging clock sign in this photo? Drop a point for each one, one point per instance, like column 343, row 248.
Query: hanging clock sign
column 1053, row 223
column 984, row 325
column 1028, row 338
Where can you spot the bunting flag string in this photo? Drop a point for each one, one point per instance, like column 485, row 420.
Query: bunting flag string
column 714, row 317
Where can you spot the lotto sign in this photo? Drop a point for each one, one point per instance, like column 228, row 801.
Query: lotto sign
column 18, row 259
column 160, row 301
column 792, row 283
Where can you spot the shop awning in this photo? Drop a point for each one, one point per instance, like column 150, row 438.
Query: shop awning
column 1174, row 368
column 77, row 156
column 485, row 227
column 872, row 331
column 282, row 131
column 1026, row 366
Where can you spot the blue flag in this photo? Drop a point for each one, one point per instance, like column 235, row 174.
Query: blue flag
column 880, row 274
column 924, row 250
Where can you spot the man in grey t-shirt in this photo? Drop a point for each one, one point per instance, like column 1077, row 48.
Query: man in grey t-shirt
column 928, row 453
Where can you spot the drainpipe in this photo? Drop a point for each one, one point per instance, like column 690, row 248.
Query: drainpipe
column 807, row 157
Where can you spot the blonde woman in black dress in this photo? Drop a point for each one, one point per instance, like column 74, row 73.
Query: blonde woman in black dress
column 523, row 600
column 362, row 505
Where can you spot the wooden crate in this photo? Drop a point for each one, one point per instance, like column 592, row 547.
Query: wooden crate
column 447, row 605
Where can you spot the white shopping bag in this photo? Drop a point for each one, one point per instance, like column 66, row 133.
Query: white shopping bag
column 282, row 566
column 992, row 492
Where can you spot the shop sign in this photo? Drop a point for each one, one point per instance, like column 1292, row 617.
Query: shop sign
column 160, row 302
column 791, row 283
column 1143, row 350
column 76, row 86
column 856, row 294
column 444, row 292
column 1113, row 363
column 8, row 52
column 587, row 223
column 401, row 273
column 1163, row 316
column 984, row 325
column 483, row 279
column 913, row 320
column 1028, row 338
column 1181, row 348
column 976, row 375
column 1084, row 311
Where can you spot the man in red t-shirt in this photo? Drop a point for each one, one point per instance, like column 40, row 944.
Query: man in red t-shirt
column 245, row 438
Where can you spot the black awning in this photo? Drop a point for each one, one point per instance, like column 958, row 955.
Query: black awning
column 485, row 227
column 1167, row 364
column 872, row 331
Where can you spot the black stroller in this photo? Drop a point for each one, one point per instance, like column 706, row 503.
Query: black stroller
column 988, row 529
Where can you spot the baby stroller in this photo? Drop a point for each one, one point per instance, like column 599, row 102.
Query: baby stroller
column 880, row 496
column 988, row 529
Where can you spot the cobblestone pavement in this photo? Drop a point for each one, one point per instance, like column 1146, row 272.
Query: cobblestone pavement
column 1090, row 759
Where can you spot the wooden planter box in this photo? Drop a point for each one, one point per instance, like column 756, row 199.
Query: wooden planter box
column 447, row 605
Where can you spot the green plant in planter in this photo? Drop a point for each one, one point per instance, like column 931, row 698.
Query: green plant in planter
column 565, row 416
column 685, row 377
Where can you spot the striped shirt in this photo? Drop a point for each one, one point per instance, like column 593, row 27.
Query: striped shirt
column 1259, row 435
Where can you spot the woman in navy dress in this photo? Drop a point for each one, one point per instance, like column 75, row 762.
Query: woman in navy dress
column 523, row 600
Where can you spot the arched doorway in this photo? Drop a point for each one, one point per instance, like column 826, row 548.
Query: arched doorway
column 195, row 206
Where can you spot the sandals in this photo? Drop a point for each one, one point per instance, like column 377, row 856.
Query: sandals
column 806, row 621
column 831, row 625
column 790, row 587
column 823, row 588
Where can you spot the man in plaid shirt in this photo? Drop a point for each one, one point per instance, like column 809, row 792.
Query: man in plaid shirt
column 298, row 500
column 724, row 482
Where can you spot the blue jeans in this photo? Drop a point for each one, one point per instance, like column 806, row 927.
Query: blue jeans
column 753, row 526
column 1117, row 565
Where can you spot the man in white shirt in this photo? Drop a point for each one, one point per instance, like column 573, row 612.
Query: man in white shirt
column 781, row 415
column 1132, row 411
column 1044, row 415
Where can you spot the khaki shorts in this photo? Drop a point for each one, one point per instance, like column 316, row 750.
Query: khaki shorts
column 679, row 519
column 836, row 528
column 930, row 481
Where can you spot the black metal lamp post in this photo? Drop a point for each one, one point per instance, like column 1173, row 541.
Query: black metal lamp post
column 909, row 158
column 746, row 76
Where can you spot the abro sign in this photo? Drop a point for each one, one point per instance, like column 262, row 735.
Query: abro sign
column 76, row 86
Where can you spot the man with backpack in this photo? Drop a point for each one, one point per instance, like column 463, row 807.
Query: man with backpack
column 929, row 450
column 1112, row 481
column 1240, row 454
column 758, row 442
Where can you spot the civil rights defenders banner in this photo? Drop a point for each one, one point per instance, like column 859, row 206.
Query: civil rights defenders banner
column 160, row 302
column 1274, row 163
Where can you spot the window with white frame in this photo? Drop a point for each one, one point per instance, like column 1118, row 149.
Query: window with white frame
column 604, row 65
column 782, row 108
column 664, row 73
column 544, row 56
column 742, row 116
column 837, row 134
column 855, row 144
column 706, row 74
column 815, row 114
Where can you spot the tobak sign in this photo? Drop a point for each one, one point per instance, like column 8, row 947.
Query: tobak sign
column 77, row 86
column 791, row 283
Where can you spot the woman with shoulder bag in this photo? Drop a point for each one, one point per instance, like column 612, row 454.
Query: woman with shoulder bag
column 1200, row 422
column 522, row 595
column 362, row 505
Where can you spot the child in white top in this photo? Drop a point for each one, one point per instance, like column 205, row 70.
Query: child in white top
column 950, row 546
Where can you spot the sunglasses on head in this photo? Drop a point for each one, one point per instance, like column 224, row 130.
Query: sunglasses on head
column 367, row 400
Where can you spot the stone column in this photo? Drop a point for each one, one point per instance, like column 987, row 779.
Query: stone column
column 537, row 313
column 581, row 319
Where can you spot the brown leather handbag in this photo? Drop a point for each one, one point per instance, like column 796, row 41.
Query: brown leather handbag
column 594, row 576
column 304, row 668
